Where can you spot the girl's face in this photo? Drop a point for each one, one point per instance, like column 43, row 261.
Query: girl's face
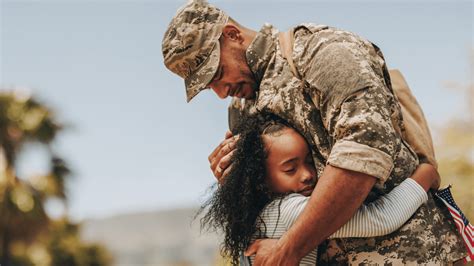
column 289, row 164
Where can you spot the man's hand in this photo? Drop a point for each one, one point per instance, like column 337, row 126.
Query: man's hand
column 262, row 248
column 220, row 158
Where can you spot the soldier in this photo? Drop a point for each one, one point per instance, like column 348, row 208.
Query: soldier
column 341, row 100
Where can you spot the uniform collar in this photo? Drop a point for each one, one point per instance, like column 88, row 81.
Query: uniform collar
column 261, row 50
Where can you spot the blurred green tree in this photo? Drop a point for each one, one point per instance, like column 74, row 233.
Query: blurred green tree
column 27, row 235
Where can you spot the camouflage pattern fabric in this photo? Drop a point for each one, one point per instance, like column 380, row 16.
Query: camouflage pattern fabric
column 345, row 108
column 191, row 44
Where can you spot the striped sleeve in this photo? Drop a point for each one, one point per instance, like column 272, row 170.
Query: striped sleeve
column 380, row 217
column 291, row 208
column 386, row 214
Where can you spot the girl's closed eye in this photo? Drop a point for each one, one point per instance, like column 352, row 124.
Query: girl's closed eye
column 290, row 170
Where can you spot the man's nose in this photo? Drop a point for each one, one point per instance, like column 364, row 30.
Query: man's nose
column 221, row 91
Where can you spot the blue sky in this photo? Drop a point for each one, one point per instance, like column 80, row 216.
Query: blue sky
column 133, row 142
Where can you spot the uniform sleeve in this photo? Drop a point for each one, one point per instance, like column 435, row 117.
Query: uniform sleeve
column 356, row 106
column 386, row 214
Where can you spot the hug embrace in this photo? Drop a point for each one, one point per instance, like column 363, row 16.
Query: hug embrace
column 326, row 163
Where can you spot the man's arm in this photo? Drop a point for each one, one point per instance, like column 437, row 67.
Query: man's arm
column 334, row 201
column 384, row 215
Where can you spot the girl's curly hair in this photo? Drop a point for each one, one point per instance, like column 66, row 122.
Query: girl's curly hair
column 235, row 205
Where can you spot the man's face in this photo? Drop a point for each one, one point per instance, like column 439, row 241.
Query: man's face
column 233, row 76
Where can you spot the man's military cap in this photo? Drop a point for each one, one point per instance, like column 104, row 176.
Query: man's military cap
column 191, row 44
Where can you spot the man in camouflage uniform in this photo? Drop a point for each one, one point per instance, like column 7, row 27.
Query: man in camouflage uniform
column 342, row 102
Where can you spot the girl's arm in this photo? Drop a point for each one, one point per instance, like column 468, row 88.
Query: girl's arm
column 382, row 216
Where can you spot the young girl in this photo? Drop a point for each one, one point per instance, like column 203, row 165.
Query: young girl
column 268, row 186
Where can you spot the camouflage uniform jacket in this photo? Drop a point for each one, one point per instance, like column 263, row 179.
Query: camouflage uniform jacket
column 344, row 106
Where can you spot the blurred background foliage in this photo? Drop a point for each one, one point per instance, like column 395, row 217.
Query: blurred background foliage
column 454, row 146
column 28, row 235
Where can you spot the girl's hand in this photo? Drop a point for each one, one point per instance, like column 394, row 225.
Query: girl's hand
column 427, row 176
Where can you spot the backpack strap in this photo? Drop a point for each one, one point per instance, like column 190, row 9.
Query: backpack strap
column 286, row 46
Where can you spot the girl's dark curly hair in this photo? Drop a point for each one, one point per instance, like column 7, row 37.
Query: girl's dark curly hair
column 235, row 205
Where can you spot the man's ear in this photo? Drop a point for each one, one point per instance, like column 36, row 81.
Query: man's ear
column 232, row 33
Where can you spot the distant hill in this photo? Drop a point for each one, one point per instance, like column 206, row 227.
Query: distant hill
column 156, row 238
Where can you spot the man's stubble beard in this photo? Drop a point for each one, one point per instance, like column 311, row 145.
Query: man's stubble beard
column 247, row 73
